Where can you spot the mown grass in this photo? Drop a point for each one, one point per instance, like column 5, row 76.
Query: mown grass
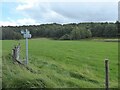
column 61, row 64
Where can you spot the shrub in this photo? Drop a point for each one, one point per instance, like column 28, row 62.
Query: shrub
column 65, row 37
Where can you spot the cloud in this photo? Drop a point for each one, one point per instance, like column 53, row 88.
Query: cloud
column 88, row 11
column 59, row 1
column 39, row 11
column 26, row 4
column 7, row 23
column 119, row 11
column 24, row 21
column 22, row 7
column 59, row 12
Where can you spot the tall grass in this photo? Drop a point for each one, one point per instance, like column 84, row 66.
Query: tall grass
column 0, row 64
column 61, row 64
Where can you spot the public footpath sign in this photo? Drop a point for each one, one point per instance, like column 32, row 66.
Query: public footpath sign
column 26, row 35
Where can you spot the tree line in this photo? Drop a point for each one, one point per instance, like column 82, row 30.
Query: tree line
column 72, row 31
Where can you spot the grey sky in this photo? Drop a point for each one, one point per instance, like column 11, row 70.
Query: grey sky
column 37, row 12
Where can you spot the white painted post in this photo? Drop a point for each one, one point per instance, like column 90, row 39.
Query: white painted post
column 26, row 35
column 26, row 51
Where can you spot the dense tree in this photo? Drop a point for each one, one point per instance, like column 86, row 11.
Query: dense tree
column 66, row 31
column 80, row 33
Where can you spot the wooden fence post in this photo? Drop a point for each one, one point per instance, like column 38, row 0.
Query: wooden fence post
column 13, row 53
column 16, row 52
column 106, row 74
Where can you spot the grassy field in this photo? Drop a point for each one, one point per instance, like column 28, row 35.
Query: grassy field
column 61, row 64
column 0, row 64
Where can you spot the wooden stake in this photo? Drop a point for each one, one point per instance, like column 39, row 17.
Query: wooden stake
column 106, row 74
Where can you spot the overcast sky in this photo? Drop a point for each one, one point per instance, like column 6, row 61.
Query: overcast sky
column 34, row 12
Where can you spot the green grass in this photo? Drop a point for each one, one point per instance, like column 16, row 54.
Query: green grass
column 0, row 64
column 61, row 64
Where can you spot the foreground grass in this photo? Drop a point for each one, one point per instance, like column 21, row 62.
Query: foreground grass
column 0, row 64
column 61, row 64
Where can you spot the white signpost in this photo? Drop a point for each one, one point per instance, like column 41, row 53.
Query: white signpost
column 26, row 35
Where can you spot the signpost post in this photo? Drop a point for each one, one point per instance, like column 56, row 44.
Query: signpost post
column 26, row 35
